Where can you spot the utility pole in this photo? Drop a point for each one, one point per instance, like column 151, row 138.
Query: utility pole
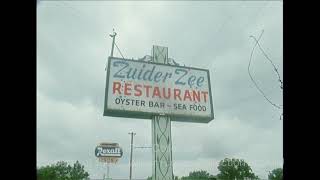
column 108, row 170
column 113, row 41
column 132, row 134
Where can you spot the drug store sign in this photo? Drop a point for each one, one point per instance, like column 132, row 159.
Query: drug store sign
column 138, row 89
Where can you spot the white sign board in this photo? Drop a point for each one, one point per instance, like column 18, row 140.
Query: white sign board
column 138, row 89
column 102, row 151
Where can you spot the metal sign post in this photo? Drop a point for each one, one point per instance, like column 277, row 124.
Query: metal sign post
column 108, row 170
column 161, row 132
column 113, row 41
column 161, row 91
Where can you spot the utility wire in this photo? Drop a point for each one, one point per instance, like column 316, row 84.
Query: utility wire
column 142, row 147
column 119, row 50
column 254, row 82
column 265, row 54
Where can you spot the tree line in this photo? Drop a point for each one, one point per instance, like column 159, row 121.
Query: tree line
column 229, row 169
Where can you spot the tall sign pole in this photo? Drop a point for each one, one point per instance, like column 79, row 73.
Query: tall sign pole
column 113, row 41
column 159, row 91
column 161, row 132
column 132, row 134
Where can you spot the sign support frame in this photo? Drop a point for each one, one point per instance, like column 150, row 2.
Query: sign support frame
column 162, row 168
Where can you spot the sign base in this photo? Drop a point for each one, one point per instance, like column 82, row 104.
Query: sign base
column 162, row 148
column 161, row 132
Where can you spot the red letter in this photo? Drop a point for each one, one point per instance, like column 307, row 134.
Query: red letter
column 164, row 94
column 187, row 95
column 204, row 96
column 116, row 87
column 126, row 88
column 196, row 95
column 138, row 91
column 147, row 90
column 176, row 93
column 156, row 92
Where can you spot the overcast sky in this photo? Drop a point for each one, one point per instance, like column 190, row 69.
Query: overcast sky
column 72, row 50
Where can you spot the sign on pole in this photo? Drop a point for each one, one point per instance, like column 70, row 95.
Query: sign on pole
column 137, row 89
column 108, row 152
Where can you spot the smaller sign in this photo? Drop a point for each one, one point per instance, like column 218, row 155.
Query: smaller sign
column 102, row 151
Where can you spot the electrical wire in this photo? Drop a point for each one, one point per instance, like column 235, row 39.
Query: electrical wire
column 119, row 50
column 254, row 82
column 142, row 147
column 274, row 66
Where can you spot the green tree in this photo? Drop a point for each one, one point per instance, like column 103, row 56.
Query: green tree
column 235, row 169
column 175, row 177
column 198, row 175
column 276, row 174
column 62, row 171
column 77, row 172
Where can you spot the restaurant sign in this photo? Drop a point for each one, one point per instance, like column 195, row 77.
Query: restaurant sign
column 138, row 89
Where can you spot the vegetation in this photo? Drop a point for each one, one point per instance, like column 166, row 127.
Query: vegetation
column 275, row 174
column 199, row 175
column 231, row 169
column 62, row 171
column 175, row 177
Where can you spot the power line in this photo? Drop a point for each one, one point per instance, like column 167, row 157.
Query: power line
column 254, row 82
column 142, row 147
column 274, row 66
column 119, row 50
